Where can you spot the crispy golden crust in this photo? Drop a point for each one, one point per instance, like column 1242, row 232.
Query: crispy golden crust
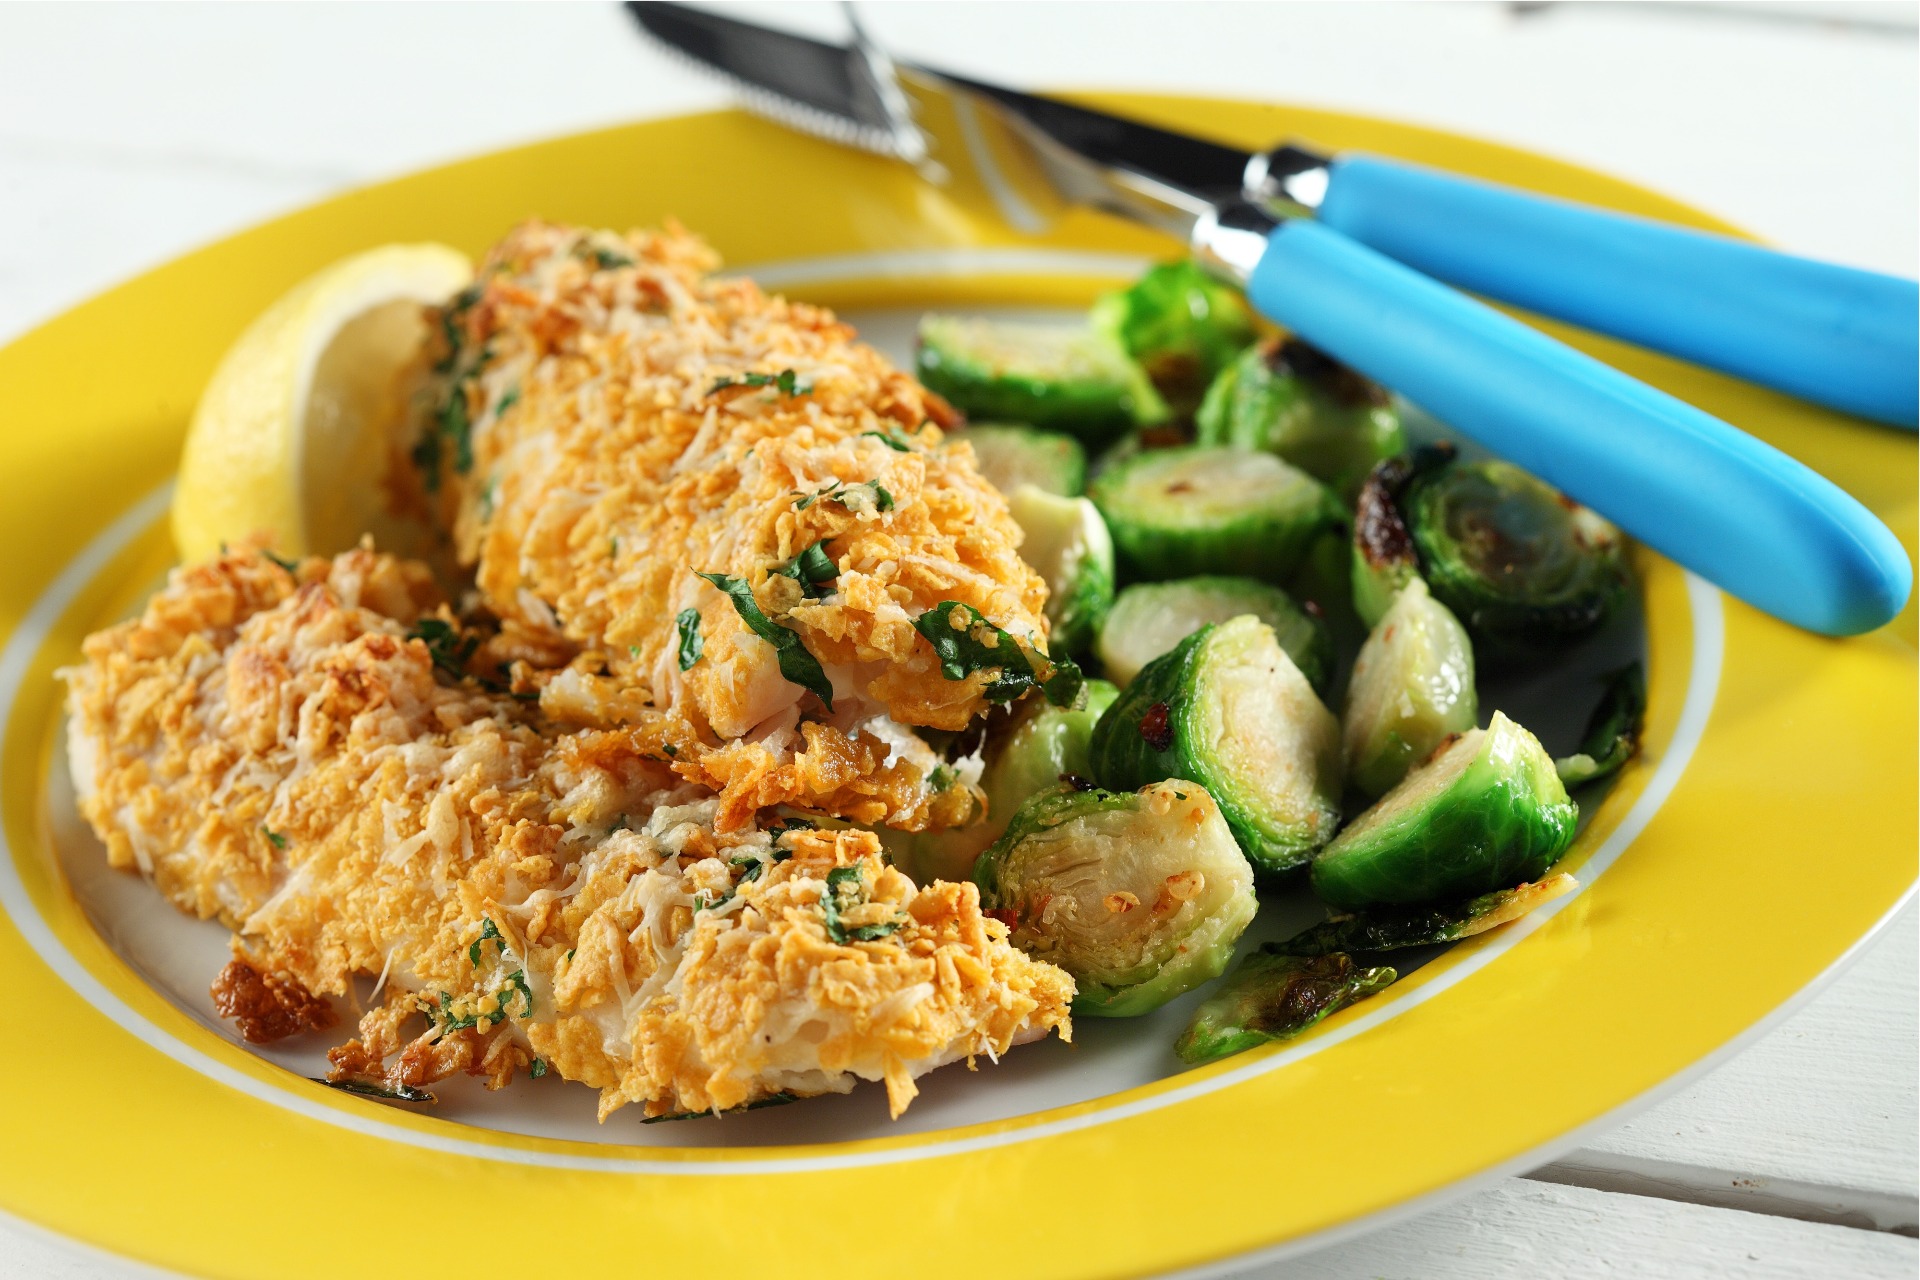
column 608, row 464
column 274, row 749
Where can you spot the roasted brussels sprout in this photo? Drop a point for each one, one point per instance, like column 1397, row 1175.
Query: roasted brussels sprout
column 1045, row 744
column 1613, row 734
column 1288, row 398
column 1412, row 687
column 1189, row 510
column 1396, row 928
column 1139, row 895
column 1486, row 812
column 1180, row 324
column 1384, row 557
column 1150, row 618
column 1010, row 456
column 1229, row 709
column 1524, row 567
column 1072, row 380
column 1066, row 542
column 1275, row 997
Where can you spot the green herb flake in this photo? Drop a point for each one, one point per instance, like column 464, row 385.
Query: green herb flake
column 691, row 644
column 507, row 401
column 891, row 438
column 942, row 777
column 797, row 665
column 274, row 838
column 813, row 569
column 445, row 645
column 977, row 645
column 846, row 888
column 838, row 491
column 538, row 1069
column 370, row 1089
column 291, row 566
column 786, row 382
column 487, row 933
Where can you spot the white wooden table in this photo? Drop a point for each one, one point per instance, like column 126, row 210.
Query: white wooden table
column 128, row 134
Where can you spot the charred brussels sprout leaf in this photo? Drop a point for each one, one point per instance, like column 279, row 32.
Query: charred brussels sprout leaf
column 1486, row 812
column 1150, row 618
column 1524, row 567
column 1043, row 745
column 1010, row 456
column 1073, row 380
column 1228, row 708
column 797, row 665
column 1189, row 510
column 1139, row 895
column 1613, row 734
column 1275, row 997
column 1180, row 324
column 1396, row 928
column 967, row 643
column 1412, row 687
column 1287, row 398
column 1384, row 556
column 1067, row 543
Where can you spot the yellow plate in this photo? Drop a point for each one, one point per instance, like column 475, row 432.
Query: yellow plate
column 1768, row 829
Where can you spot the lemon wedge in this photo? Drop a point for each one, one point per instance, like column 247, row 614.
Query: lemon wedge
column 293, row 435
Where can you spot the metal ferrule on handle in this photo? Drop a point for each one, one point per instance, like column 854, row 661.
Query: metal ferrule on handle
column 1738, row 512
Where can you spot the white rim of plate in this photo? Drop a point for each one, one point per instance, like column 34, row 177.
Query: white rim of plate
column 16, row 659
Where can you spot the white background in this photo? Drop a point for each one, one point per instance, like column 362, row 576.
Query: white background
column 130, row 133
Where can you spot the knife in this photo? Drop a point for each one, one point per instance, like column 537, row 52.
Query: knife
column 1740, row 513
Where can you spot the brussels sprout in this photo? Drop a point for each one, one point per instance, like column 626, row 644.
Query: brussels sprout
column 1010, row 456
column 1288, row 398
column 1486, row 812
column 1275, row 997
column 1384, row 558
column 1150, row 618
column 1139, row 895
column 1045, row 744
column 1228, row 709
column 1524, row 567
column 1178, row 512
column 1072, row 380
column 1613, row 734
column 1067, row 543
column 1182, row 326
column 1396, row 928
column 1412, row 687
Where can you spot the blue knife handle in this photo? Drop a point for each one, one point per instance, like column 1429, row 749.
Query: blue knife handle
column 1835, row 335
column 1738, row 512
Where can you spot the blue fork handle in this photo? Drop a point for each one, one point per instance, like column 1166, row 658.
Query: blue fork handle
column 1738, row 512
column 1835, row 335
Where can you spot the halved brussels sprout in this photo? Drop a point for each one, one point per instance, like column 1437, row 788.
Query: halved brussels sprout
column 1149, row 618
column 1613, row 734
column 1384, row 556
column 1522, row 565
column 1139, row 895
column 1275, row 997
column 1486, row 812
column 1189, row 510
column 1073, row 380
column 1396, row 928
column 1010, row 456
column 1412, row 687
column 1181, row 324
column 1043, row 745
column 1067, row 543
column 1229, row 709
column 1285, row 397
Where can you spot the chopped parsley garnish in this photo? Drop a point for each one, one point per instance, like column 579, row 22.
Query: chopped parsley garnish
column 785, row 825
column 942, row 777
column 613, row 548
column 691, row 644
column 445, row 645
column 487, row 933
column 291, row 566
column 369, row 1089
column 771, row 1100
column 838, row 491
column 813, row 569
column 892, row 438
column 786, row 382
column 845, row 889
column 606, row 259
column 507, row 401
column 977, row 645
column 274, row 838
column 538, row 1069
column 797, row 665
column 456, row 311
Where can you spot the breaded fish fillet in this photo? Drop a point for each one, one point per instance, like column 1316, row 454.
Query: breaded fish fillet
column 320, row 759
column 609, row 422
